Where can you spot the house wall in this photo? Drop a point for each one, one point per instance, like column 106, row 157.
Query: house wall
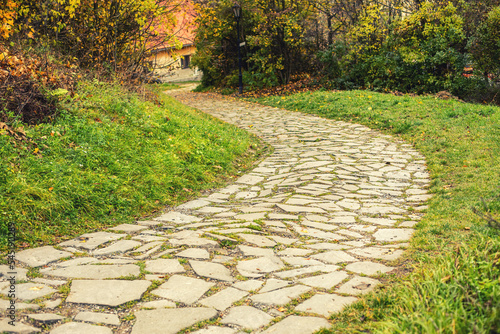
column 168, row 65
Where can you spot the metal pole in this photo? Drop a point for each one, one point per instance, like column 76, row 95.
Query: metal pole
column 239, row 55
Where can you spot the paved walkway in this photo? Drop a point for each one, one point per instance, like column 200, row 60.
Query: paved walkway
column 311, row 228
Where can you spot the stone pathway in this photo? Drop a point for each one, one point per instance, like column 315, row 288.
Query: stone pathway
column 306, row 232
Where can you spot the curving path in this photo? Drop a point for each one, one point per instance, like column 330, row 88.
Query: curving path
column 306, row 232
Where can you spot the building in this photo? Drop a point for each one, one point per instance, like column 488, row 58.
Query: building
column 171, row 60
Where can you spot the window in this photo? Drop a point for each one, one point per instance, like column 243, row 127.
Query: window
column 185, row 61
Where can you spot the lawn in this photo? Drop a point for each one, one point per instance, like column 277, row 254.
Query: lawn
column 112, row 157
column 454, row 257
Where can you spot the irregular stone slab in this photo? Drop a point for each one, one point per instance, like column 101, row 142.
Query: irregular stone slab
column 46, row 318
column 223, row 299
column 257, row 240
column 106, row 292
column 321, row 226
column 128, row 228
column 294, row 252
column 195, row 253
column 98, row 318
column 327, row 246
column 178, row 218
column 20, row 273
column 378, row 253
column 75, row 262
column 37, row 257
column 349, row 204
column 250, row 179
column 53, row 303
column 312, row 232
column 299, row 209
column 368, row 268
column 246, row 195
column 326, row 281
column 312, row 164
column 307, row 270
column 250, row 217
column 215, row 330
column 164, row 266
column 297, row 325
column 380, row 221
column 382, row 210
column 284, row 241
column 393, row 234
column 121, row 246
column 334, row 257
column 5, row 304
column 260, row 265
column 80, row 328
column 170, row 321
column 195, row 204
column 49, row 281
column 281, row 216
column 183, row 289
column 358, row 285
column 29, row 291
column 19, row 328
column 274, row 284
column 250, row 285
column 195, row 242
column 281, row 296
column 91, row 241
column 325, row 304
column 298, row 261
column 247, row 317
column 255, row 251
column 94, row 271
column 162, row 303
column 211, row 270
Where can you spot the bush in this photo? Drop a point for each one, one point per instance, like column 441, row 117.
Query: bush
column 485, row 45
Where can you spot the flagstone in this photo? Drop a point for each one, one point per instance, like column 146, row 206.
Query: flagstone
column 183, row 289
column 247, row 317
column 17, row 328
column 29, row 291
column 255, row 251
column 281, row 296
column 121, row 246
column 325, row 304
column 299, row 209
column 334, row 257
column 195, row 253
column 128, row 228
column 216, row 330
column 98, row 317
column 194, row 204
column 91, row 241
column 325, row 281
column 170, row 321
column 37, row 257
column 161, row 303
column 257, row 240
column 396, row 234
column 297, row 325
column 164, row 266
column 106, row 292
column 261, row 265
column 249, row 285
column 93, row 271
column 178, row 218
column 358, row 285
column 368, row 268
column 223, row 299
column 211, row 270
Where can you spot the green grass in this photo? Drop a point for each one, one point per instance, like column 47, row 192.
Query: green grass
column 109, row 158
column 454, row 256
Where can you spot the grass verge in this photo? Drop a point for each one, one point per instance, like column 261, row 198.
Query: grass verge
column 454, row 257
column 111, row 157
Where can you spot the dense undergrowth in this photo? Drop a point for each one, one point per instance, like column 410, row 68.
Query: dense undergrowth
column 110, row 157
column 454, row 256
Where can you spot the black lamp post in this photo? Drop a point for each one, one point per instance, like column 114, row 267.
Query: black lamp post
column 237, row 15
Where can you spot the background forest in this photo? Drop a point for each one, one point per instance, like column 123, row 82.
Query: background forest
column 394, row 45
